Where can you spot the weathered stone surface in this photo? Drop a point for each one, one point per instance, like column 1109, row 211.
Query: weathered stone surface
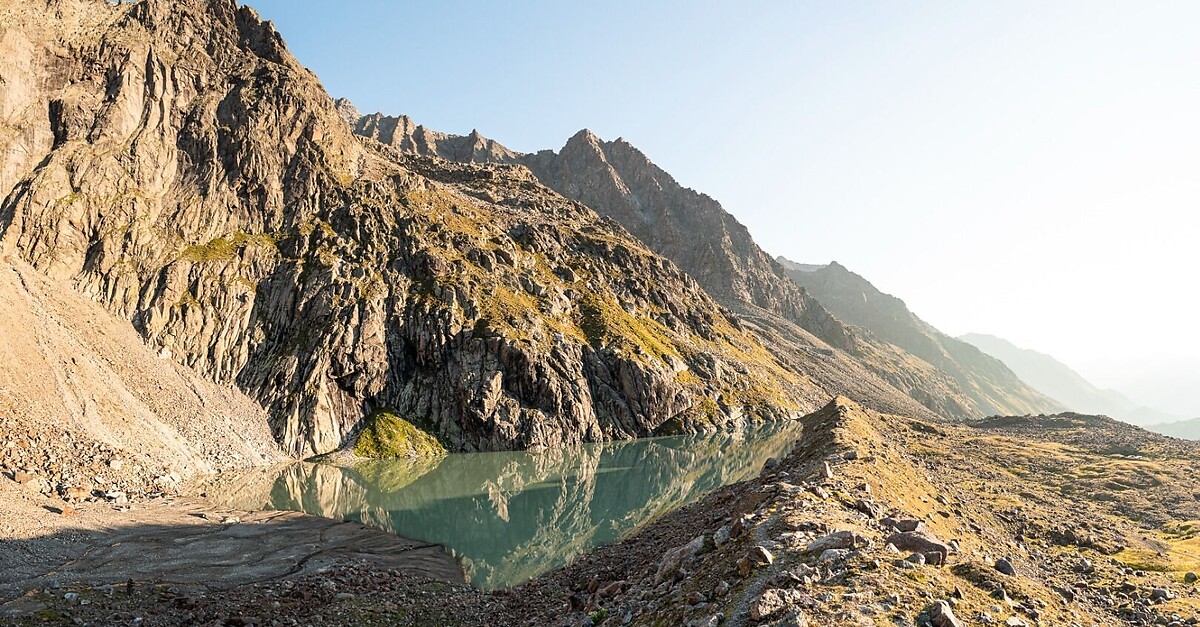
column 671, row 561
column 771, row 602
column 835, row 540
column 918, row 541
column 941, row 615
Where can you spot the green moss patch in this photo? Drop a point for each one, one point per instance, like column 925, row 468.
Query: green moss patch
column 227, row 248
column 603, row 320
column 388, row 436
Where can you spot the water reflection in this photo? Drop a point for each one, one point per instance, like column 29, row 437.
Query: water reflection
column 512, row 516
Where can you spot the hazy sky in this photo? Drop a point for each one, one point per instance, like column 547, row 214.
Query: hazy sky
column 1025, row 169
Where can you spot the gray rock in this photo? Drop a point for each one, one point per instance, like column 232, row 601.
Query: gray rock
column 773, row 601
column 1161, row 594
column 833, row 555
column 1005, row 567
column 919, row 541
column 941, row 615
column 759, row 554
column 903, row 524
column 671, row 561
column 868, row 507
column 835, row 540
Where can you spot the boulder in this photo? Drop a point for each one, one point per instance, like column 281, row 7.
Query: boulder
column 920, row 541
column 670, row 562
column 772, row 602
column 835, row 540
column 941, row 615
column 903, row 524
column 868, row 507
column 759, row 554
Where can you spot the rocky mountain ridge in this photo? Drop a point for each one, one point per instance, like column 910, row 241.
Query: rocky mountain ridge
column 172, row 161
column 695, row 231
column 1187, row 429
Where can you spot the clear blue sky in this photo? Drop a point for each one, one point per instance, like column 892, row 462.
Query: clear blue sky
column 1026, row 169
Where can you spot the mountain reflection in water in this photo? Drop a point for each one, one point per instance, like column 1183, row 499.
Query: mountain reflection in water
column 512, row 516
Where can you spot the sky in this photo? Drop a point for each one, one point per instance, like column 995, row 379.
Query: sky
column 1025, row 169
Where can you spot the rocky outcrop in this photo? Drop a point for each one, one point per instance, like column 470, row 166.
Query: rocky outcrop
column 407, row 136
column 174, row 162
column 991, row 386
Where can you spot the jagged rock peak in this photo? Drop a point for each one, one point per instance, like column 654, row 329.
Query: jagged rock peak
column 795, row 266
column 584, row 136
column 348, row 111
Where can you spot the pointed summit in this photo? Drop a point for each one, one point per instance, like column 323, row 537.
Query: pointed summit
column 583, row 137
column 348, row 111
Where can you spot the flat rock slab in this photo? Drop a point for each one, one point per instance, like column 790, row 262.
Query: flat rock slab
column 184, row 544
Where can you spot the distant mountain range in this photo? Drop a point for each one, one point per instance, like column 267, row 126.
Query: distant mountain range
column 1057, row 380
column 985, row 366
column 1189, row 429
column 855, row 300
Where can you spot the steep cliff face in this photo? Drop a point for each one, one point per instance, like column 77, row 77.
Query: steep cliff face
column 173, row 161
column 991, row 385
column 695, row 231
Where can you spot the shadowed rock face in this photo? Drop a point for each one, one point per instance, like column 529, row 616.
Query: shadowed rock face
column 174, row 162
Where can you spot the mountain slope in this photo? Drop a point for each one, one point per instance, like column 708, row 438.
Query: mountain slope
column 84, row 402
column 855, row 300
column 172, row 161
column 694, row 231
column 1057, row 380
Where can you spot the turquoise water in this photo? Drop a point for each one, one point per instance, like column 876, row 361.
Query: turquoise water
column 512, row 516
